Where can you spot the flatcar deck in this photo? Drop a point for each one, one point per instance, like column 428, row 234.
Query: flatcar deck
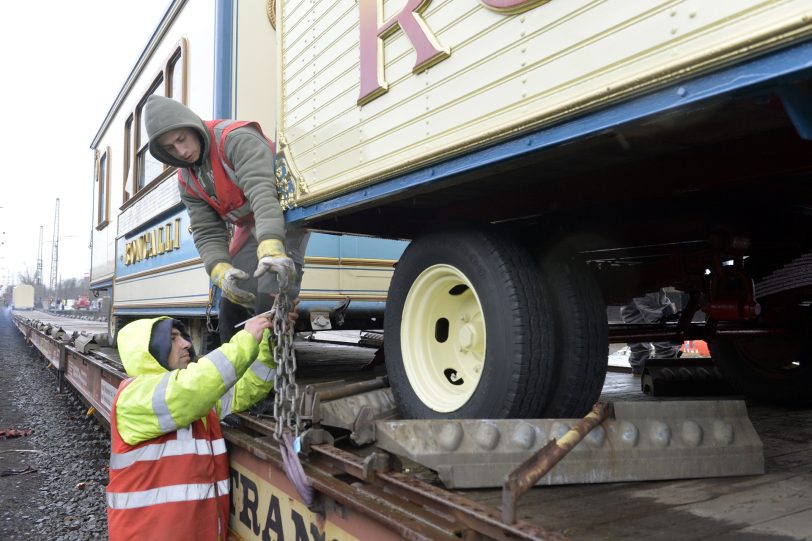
column 772, row 506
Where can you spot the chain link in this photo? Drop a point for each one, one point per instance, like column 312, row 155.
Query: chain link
column 209, row 306
column 286, row 398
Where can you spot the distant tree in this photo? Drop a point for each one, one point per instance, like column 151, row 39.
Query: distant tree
column 84, row 286
column 69, row 287
column 26, row 277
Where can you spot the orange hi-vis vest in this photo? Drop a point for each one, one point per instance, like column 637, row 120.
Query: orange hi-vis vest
column 229, row 201
column 172, row 487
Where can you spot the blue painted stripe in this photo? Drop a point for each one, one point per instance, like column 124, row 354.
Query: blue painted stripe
column 352, row 246
column 369, row 306
column 750, row 76
column 355, row 306
column 223, row 51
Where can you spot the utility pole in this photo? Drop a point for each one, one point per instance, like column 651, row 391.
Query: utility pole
column 55, row 250
column 38, row 274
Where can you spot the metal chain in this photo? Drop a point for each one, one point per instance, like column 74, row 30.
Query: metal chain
column 287, row 398
column 209, row 306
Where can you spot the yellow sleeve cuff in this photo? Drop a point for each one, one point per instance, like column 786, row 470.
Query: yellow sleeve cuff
column 219, row 271
column 272, row 248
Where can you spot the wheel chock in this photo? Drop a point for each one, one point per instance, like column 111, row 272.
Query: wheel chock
column 646, row 440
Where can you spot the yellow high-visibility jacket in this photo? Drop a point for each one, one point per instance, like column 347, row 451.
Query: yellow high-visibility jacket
column 157, row 401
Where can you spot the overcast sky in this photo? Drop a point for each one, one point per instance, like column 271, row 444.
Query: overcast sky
column 62, row 64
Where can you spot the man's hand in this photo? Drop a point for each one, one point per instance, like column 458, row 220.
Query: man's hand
column 225, row 276
column 271, row 255
column 293, row 315
column 257, row 325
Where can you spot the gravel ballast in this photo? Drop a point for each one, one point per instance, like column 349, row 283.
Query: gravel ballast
column 52, row 480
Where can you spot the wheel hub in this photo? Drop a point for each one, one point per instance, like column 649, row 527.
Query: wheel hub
column 443, row 338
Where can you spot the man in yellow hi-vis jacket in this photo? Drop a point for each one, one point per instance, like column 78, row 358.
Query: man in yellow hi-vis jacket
column 169, row 472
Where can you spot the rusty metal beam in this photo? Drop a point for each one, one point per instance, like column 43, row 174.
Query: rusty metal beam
column 408, row 526
column 343, row 389
column 534, row 468
column 469, row 514
column 476, row 516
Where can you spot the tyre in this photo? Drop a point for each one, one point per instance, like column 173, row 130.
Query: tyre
column 578, row 313
column 468, row 333
column 773, row 370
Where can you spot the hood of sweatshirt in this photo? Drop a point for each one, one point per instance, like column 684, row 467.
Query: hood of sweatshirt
column 163, row 115
column 133, row 347
column 144, row 345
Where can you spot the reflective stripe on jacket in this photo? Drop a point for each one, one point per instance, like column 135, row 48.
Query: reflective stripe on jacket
column 172, row 487
column 228, row 201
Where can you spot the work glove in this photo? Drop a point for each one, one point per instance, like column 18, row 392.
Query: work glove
column 271, row 255
column 225, row 276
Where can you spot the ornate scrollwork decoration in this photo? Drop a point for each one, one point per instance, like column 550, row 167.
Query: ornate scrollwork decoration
column 288, row 186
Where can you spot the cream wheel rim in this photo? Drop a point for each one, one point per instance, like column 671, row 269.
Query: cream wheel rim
column 443, row 338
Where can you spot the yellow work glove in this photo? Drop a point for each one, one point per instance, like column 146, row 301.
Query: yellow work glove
column 225, row 276
column 271, row 255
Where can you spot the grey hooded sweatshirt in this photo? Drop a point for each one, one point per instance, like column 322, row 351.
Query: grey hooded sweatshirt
column 253, row 162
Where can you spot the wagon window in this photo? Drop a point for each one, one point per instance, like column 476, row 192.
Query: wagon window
column 129, row 187
column 141, row 169
column 176, row 73
column 147, row 168
column 102, row 189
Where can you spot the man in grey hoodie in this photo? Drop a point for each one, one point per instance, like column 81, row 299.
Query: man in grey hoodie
column 226, row 176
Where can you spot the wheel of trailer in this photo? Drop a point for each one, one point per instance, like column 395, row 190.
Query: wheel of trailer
column 468, row 333
column 578, row 313
column 774, row 370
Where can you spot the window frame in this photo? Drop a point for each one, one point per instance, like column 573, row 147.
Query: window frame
column 128, row 180
column 102, row 172
column 180, row 54
column 132, row 127
column 138, row 146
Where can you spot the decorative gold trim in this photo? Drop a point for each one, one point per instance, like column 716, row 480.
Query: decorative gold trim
column 270, row 9
column 339, row 297
column 369, row 262
column 350, row 262
column 289, row 185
